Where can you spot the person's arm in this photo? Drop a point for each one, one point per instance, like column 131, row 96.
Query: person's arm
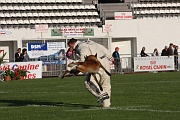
column 77, row 57
column 146, row 54
column 82, row 54
column 27, row 57
column 21, row 57
column 113, row 55
column 106, row 52
column 16, row 55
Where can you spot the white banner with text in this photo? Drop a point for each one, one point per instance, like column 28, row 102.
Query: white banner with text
column 122, row 15
column 159, row 63
column 34, row 68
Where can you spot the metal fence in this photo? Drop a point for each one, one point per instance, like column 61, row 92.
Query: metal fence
column 52, row 69
column 127, row 65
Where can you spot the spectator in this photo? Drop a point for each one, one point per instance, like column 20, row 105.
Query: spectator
column 155, row 53
column 26, row 56
column 18, row 56
column 164, row 51
column 74, row 55
column 170, row 51
column 176, row 57
column 69, row 52
column 116, row 57
column 143, row 54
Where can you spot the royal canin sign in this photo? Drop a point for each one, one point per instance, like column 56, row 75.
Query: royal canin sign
column 123, row 15
column 159, row 63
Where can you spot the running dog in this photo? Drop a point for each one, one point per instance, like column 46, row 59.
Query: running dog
column 90, row 65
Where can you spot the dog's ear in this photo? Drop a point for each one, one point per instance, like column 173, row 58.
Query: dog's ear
column 95, row 55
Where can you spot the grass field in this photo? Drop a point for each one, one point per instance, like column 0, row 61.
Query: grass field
column 134, row 97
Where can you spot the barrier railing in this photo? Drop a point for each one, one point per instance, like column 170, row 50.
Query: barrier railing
column 126, row 65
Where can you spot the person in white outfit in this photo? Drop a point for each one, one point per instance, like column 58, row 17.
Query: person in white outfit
column 85, row 48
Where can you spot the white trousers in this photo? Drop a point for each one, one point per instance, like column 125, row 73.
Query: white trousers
column 103, row 79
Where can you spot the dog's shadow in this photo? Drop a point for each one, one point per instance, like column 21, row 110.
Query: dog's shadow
column 19, row 103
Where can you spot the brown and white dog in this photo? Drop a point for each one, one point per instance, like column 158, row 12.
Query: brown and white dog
column 90, row 65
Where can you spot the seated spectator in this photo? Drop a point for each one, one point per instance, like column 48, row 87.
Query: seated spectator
column 143, row 54
column 155, row 53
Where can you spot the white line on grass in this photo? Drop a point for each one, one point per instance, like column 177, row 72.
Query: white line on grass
column 149, row 82
column 2, row 92
column 67, row 86
column 145, row 92
column 35, row 105
column 73, row 92
column 124, row 109
column 130, row 108
column 8, row 107
column 30, row 105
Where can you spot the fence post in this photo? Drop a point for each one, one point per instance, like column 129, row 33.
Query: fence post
column 120, row 66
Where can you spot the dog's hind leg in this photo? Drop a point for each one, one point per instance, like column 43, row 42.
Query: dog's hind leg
column 73, row 71
column 65, row 73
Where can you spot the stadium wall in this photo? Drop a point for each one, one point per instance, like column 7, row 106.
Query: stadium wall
column 151, row 33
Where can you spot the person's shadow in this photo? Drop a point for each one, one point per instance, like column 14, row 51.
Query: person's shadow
column 60, row 104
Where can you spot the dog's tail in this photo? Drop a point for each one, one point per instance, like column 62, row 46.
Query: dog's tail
column 105, row 70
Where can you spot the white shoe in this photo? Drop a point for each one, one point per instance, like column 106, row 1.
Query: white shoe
column 102, row 97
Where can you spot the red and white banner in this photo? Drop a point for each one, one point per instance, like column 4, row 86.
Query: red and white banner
column 34, row 68
column 123, row 15
column 107, row 28
column 160, row 63
column 41, row 28
column 1, row 53
column 5, row 32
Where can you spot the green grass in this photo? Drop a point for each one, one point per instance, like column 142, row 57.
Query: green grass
column 134, row 97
